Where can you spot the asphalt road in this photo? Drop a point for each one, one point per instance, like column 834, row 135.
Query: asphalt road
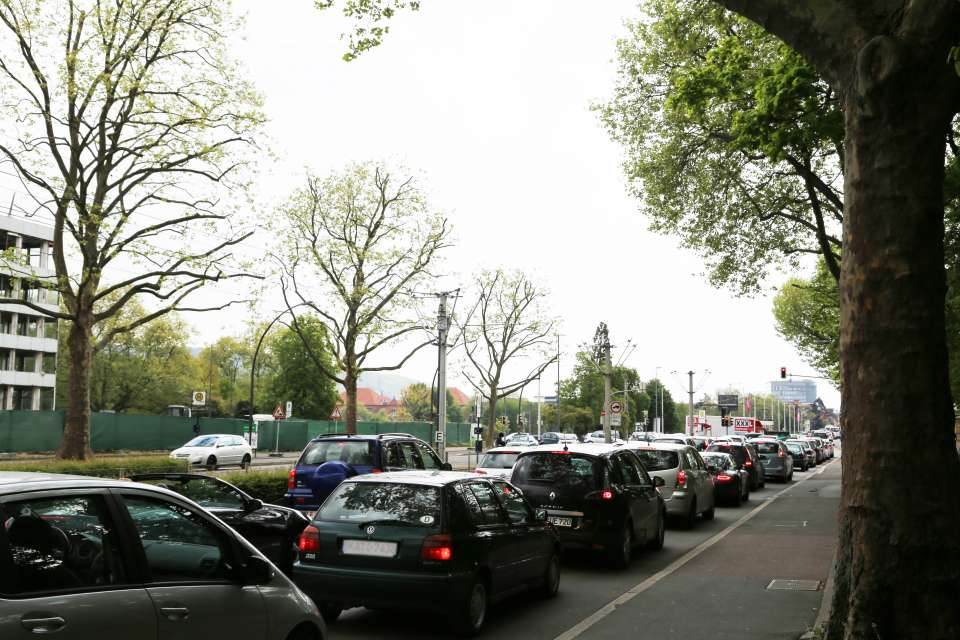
column 710, row 582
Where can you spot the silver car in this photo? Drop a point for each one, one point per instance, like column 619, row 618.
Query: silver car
column 91, row 558
column 688, row 487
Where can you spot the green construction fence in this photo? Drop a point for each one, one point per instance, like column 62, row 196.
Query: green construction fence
column 41, row 431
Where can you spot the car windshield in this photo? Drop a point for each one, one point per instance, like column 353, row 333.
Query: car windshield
column 410, row 504
column 202, row 441
column 352, row 452
column 655, row 460
column 499, row 460
column 716, row 460
column 557, row 468
column 767, row 447
column 794, row 448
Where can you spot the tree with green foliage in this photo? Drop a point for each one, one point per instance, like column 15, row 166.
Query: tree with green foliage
column 584, row 389
column 416, row 400
column 297, row 376
column 112, row 110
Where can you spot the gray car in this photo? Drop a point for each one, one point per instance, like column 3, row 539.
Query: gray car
column 777, row 461
column 92, row 558
column 688, row 487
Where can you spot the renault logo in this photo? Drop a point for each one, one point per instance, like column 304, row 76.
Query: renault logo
column 553, row 496
column 370, row 530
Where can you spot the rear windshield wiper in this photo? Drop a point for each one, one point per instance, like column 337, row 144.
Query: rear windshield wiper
column 401, row 523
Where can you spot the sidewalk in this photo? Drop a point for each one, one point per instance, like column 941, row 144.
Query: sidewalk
column 723, row 593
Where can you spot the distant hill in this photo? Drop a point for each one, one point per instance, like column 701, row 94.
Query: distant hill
column 385, row 383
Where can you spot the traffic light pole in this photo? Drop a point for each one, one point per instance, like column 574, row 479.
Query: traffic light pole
column 443, row 326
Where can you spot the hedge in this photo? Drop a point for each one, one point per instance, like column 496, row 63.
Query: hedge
column 268, row 486
column 112, row 467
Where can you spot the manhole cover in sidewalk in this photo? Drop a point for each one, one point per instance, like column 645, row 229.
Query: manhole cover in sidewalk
column 793, row 585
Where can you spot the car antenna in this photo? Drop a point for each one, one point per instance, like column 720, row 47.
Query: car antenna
column 565, row 448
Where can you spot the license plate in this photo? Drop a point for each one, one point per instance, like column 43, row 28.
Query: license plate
column 559, row 521
column 373, row 548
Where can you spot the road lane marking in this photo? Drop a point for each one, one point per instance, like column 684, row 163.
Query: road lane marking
column 577, row 630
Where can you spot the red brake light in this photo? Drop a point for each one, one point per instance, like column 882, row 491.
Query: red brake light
column 781, row 454
column 748, row 463
column 291, row 479
column 606, row 494
column 564, row 452
column 309, row 541
column 375, row 470
column 724, row 478
column 437, row 547
column 681, row 479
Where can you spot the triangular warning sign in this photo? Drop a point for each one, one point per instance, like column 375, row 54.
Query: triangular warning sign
column 336, row 413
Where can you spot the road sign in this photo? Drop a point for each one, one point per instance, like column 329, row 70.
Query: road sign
column 730, row 401
column 616, row 407
column 289, row 411
column 278, row 413
column 615, row 420
column 199, row 398
column 336, row 413
column 439, row 436
column 702, row 414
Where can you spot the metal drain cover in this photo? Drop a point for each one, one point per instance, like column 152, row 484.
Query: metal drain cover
column 794, row 585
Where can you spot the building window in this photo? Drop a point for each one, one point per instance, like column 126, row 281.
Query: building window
column 28, row 326
column 49, row 363
column 23, row 398
column 46, row 399
column 25, row 361
column 50, row 328
column 6, row 287
column 6, row 322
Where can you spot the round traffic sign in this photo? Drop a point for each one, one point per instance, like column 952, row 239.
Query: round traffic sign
column 616, row 407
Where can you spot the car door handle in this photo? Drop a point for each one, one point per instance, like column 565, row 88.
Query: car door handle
column 175, row 613
column 44, row 625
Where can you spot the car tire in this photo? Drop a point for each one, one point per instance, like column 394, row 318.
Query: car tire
column 330, row 612
column 468, row 621
column 623, row 553
column 551, row 578
column 212, row 463
column 710, row 513
column 245, row 463
column 657, row 542
column 738, row 500
column 691, row 516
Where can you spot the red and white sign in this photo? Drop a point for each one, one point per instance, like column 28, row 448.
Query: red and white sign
column 336, row 413
column 747, row 425
column 278, row 413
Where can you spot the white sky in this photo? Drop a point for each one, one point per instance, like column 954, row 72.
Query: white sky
column 489, row 102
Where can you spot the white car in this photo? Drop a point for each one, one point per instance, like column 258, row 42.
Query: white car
column 521, row 440
column 597, row 436
column 215, row 450
column 498, row 462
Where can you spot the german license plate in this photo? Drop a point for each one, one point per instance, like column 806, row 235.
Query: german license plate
column 373, row 548
column 559, row 521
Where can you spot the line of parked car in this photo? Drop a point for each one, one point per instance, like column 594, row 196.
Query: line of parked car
column 373, row 521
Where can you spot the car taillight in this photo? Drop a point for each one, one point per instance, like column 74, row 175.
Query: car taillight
column 292, row 479
column 375, row 470
column 781, row 454
column 437, row 547
column 309, row 541
column 748, row 463
column 724, row 478
column 606, row 494
column 681, row 479
column 480, row 471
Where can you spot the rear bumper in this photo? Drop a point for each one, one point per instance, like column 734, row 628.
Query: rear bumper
column 678, row 504
column 775, row 470
column 301, row 500
column 350, row 587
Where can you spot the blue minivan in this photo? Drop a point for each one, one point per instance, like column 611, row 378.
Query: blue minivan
column 327, row 460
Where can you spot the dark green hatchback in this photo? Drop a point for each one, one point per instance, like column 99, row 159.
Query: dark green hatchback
column 444, row 541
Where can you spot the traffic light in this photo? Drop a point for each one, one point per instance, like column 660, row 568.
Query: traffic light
column 725, row 421
column 783, row 372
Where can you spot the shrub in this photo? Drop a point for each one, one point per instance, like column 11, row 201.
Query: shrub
column 106, row 467
column 268, row 486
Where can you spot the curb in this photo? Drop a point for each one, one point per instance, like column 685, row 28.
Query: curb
column 820, row 624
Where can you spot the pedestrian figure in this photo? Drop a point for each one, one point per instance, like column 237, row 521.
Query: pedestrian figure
column 501, row 441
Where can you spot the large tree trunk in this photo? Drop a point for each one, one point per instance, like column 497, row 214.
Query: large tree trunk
column 490, row 435
column 350, row 387
column 898, row 567
column 76, row 430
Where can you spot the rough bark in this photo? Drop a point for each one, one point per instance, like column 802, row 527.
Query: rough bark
column 76, row 429
column 350, row 389
column 490, row 435
column 898, row 569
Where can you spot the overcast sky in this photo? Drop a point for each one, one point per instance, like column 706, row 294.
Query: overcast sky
column 490, row 104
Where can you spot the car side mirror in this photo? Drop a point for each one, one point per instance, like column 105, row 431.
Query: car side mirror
column 658, row 481
column 256, row 571
column 253, row 505
column 446, row 466
column 540, row 515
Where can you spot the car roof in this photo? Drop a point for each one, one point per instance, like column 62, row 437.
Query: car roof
column 19, row 481
column 586, row 448
column 660, row 446
column 216, row 435
column 422, row 477
column 362, row 437
column 506, row 449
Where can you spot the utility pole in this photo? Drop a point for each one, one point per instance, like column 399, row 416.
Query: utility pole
column 607, row 373
column 539, row 402
column 443, row 324
column 690, row 401
column 558, row 383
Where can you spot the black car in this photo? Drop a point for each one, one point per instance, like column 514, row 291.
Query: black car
column 549, row 437
column 597, row 496
column 798, row 454
column 442, row 541
column 746, row 457
column 731, row 484
column 272, row 529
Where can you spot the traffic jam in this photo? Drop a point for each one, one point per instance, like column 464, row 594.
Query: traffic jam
column 373, row 521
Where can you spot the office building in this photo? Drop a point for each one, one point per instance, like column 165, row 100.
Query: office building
column 28, row 338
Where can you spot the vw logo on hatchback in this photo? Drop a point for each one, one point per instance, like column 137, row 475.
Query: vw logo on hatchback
column 553, row 496
column 370, row 530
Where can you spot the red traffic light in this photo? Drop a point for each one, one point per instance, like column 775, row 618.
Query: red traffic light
column 783, row 372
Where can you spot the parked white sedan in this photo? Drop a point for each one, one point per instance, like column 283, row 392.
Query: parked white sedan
column 499, row 461
column 215, row 450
